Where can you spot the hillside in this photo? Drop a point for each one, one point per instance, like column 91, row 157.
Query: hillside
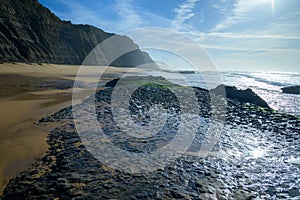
column 30, row 32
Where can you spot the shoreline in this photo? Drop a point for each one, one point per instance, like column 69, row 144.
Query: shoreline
column 28, row 93
column 68, row 170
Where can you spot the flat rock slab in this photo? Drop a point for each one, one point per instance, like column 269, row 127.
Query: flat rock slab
column 237, row 167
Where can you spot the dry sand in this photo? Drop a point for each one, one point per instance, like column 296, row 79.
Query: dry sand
column 23, row 102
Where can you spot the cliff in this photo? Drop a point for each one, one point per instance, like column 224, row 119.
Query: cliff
column 30, row 32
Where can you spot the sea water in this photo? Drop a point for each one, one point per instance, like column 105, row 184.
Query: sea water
column 265, row 84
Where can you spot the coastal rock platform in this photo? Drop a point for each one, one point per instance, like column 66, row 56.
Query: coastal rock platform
column 251, row 158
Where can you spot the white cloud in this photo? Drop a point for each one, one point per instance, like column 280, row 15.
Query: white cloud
column 184, row 12
column 281, row 60
column 232, row 35
column 220, row 5
column 128, row 18
column 249, row 49
column 156, row 20
column 261, row 51
column 244, row 10
column 287, row 25
column 79, row 14
column 125, row 15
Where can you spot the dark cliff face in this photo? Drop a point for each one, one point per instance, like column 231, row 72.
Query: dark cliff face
column 30, row 32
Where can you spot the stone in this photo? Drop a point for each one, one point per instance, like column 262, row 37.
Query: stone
column 291, row 90
column 244, row 96
column 294, row 192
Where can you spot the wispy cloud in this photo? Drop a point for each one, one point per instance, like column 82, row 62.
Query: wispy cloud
column 249, row 49
column 128, row 17
column 80, row 14
column 220, row 5
column 232, row 35
column 184, row 12
column 286, row 25
column 245, row 42
column 122, row 16
column 234, row 32
column 243, row 10
column 155, row 20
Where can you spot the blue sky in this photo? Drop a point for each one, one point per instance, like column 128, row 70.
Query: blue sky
column 245, row 35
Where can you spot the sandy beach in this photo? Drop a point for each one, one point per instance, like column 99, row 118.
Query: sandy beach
column 28, row 92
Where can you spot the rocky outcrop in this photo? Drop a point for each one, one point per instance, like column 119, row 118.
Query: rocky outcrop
column 141, row 81
column 291, row 90
column 231, row 171
column 244, row 96
column 30, row 32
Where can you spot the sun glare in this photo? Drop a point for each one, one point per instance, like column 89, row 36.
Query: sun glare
column 272, row 2
column 273, row 5
column 257, row 153
column 262, row 1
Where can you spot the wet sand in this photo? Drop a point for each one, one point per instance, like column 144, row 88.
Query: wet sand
column 27, row 94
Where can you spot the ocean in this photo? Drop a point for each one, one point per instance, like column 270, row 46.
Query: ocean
column 265, row 84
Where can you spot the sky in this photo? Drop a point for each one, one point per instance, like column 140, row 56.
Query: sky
column 243, row 35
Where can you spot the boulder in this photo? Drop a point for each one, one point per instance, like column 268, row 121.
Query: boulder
column 112, row 83
column 291, row 89
column 245, row 96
